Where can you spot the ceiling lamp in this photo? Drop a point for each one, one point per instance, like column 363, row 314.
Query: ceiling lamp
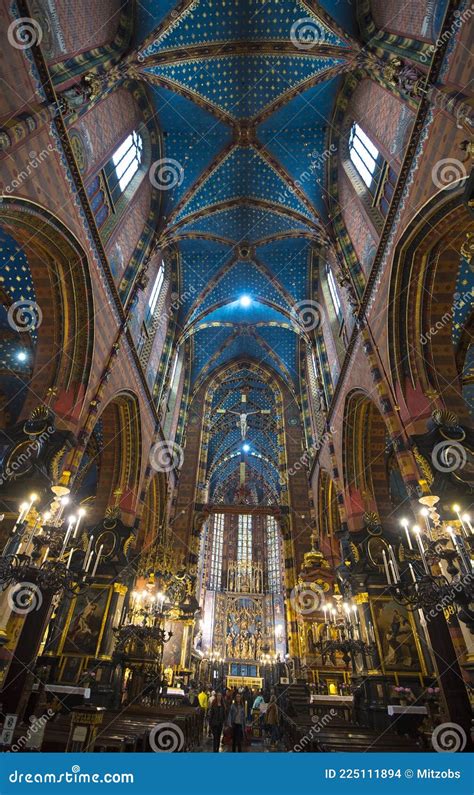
column 245, row 301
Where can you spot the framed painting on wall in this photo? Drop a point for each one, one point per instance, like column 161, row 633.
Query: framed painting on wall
column 86, row 622
column 397, row 639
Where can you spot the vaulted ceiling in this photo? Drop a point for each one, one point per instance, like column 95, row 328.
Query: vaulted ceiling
column 244, row 92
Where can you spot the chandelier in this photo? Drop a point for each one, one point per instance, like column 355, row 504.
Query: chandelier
column 433, row 564
column 44, row 548
column 144, row 625
column 342, row 631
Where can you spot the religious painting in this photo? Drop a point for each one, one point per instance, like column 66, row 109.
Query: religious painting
column 172, row 649
column 86, row 621
column 396, row 636
column 71, row 670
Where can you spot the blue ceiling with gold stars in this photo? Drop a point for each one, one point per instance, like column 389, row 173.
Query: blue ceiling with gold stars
column 244, row 93
column 17, row 338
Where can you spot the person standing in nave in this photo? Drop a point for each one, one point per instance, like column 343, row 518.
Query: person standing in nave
column 217, row 716
column 237, row 722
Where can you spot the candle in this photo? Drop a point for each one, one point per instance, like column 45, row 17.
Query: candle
column 425, row 513
column 407, row 532
column 394, row 563
column 81, row 512
column 97, row 560
column 89, row 560
column 45, row 556
column 87, row 552
column 419, row 541
column 66, row 539
column 22, row 514
column 387, row 573
column 70, row 558
column 467, row 519
column 390, row 563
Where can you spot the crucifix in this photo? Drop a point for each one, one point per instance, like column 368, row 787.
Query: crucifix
column 242, row 415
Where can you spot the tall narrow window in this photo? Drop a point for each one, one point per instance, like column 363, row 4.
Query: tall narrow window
column 215, row 579
column 366, row 158
column 123, row 165
column 273, row 555
column 155, row 293
column 244, row 539
column 334, row 291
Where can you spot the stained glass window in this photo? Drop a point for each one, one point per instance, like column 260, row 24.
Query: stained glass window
column 244, row 539
column 273, row 546
column 215, row 579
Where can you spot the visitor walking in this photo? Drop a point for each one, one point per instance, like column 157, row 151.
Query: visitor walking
column 272, row 720
column 217, row 714
column 237, row 722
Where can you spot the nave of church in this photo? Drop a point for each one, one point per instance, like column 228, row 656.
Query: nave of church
column 236, row 378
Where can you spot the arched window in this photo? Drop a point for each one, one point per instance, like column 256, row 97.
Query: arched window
column 273, row 555
column 112, row 188
column 244, row 539
column 215, row 579
column 155, row 293
column 123, row 165
column 334, row 292
column 366, row 158
column 373, row 178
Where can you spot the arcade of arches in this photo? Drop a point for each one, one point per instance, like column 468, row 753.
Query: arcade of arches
column 236, row 384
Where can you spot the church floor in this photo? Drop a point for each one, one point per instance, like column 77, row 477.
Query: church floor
column 256, row 747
